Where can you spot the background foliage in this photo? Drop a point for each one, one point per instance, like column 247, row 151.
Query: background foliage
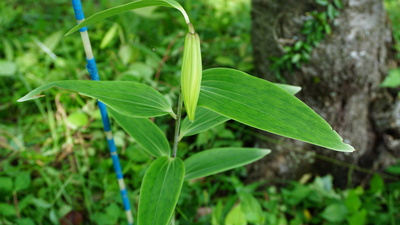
column 54, row 165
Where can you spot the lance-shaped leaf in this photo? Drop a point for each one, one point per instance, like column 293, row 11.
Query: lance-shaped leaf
column 160, row 190
column 126, row 7
column 217, row 160
column 261, row 104
column 128, row 98
column 206, row 119
column 145, row 132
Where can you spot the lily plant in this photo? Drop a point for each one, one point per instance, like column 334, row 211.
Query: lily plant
column 210, row 97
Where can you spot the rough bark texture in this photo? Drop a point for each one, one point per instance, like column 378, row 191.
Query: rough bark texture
column 341, row 83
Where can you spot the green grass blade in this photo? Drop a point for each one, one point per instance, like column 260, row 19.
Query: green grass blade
column 261, row 104
column 128, row 98
column 126, row 7
column 145, row 133
column 204, row 120
column 160, row 191
column 217, row 160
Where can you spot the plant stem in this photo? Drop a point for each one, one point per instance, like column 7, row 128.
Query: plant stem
column 177, row 126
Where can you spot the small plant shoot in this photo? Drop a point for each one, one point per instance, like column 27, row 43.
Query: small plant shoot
column 208, row 98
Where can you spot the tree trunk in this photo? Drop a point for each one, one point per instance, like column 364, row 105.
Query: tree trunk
column 341, row 83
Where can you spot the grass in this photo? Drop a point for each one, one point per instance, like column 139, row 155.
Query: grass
column 54, row 160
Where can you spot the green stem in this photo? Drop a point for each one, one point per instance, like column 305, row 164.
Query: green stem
column 191, row 28
column 177, row 126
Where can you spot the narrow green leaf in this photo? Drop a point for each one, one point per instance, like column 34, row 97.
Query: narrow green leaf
column 322, row 2
column 22, row 181
column 53, row 40
column 128, row 98
column 358, row 218
column 145, row 132
column 261, row 104
column 160, row 191
column 204, row 120
column 220, row 159
column 109, row 36
column 335, row 212
column 126, row 7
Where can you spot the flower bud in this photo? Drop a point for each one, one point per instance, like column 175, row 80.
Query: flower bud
column 191, row 73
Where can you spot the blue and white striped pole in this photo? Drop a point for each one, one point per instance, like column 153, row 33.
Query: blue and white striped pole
column 92, row 68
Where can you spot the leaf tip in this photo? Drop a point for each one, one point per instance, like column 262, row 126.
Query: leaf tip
column 349, row 148
column 344, row 147
column 266, row 150
column 298, row 89
column 191, row 117
column 27, row 98
column 71, row 31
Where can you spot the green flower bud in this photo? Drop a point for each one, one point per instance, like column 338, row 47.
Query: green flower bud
column 191, row 73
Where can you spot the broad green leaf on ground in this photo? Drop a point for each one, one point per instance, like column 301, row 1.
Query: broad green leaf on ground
column 358, row 218
column 393, row 79
column 128, row 98
column 160, row 190
column 25, row 221
column 220, row 159
column 251, row 208
column 291, row 89
column 335, row 213
column 7, row 210
column 6, row 185
column 126, row 7
column 217, row 213
column 22, row 181
column 261, row 104
column 352, row 201
column 204, row 120
column 77, row 119
column 236, row 217
column 145, row 132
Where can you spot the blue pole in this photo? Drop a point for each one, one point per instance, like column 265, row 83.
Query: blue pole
column 94, row 75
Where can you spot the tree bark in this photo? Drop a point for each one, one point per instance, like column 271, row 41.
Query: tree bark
column 341, row 83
